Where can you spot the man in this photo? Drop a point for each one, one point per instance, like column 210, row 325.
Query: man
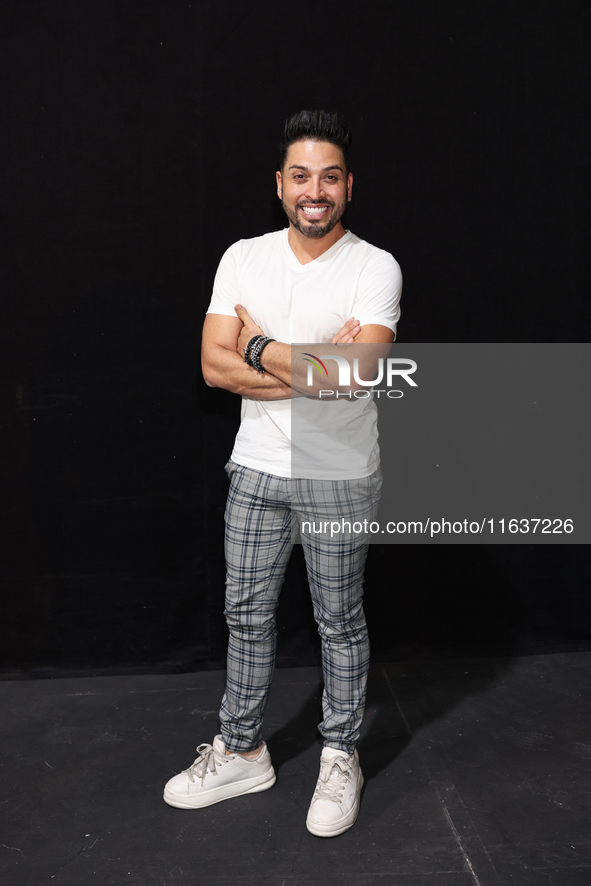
column 313, row 282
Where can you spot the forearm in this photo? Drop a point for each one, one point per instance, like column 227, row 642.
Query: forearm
column 288, row 364
column 225, row 369
column 276, row 358
column 284, row 362
column 343, row 365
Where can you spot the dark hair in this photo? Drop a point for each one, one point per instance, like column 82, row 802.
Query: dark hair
column 319, row 126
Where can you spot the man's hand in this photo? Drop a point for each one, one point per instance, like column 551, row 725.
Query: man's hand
column 347, row 334
column 248, row 331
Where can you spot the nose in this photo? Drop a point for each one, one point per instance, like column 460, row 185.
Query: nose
column 315, row 188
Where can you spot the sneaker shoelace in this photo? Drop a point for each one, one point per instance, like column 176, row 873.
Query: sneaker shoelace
column 334, row 775
column 206, row 762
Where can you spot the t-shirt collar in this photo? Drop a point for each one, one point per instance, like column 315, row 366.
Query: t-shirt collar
column 326, row 256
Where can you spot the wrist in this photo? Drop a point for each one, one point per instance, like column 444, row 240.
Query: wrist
column 249, row 348
column 254, row 350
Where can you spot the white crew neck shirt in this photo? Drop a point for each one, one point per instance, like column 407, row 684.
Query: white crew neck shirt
column 297, row 304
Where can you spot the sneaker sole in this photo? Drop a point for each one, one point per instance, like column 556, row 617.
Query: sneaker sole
column 333, row 829
column 226, row 792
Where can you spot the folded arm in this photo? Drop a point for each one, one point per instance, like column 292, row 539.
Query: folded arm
column 224, row 340
column 280, row 361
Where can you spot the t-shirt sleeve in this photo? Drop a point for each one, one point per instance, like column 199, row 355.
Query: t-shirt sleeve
column 226, row 291
column 378, row 293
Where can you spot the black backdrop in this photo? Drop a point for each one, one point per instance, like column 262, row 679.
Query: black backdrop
column 139, row 142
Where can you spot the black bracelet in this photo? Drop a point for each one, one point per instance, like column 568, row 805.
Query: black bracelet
column 255, row 354
column 248, row 347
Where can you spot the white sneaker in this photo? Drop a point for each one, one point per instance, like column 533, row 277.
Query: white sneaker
column 335, row 804
column 216, row 776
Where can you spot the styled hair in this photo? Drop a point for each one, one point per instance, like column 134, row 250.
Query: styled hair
column 319, row 126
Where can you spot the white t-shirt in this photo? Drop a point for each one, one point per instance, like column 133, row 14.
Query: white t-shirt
column 295, row 303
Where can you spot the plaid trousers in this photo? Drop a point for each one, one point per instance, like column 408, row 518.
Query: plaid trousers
column 260, row 515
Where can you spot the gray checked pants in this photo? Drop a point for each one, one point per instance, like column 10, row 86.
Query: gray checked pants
column 260, row 514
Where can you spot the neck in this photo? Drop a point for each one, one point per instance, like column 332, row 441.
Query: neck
column 306, row 249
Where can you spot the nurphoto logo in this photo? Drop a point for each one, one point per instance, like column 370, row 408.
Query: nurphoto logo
column 388, row 370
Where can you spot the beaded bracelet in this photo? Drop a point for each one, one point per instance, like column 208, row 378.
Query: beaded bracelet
column 254, row 357
column 253, row 341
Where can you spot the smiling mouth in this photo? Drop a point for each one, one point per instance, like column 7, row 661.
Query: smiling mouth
column 314, row 212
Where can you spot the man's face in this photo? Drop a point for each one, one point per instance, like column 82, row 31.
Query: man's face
column 314, row 187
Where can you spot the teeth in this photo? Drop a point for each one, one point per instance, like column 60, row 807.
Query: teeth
column 314, row 210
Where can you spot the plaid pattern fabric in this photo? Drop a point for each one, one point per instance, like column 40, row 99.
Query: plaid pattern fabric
column 260, row 516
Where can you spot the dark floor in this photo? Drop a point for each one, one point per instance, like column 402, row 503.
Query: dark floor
column 477, row 772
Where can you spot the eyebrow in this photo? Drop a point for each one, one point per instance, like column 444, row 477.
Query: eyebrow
column 307, row 168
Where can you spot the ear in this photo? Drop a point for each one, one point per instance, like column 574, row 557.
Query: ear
column 279, row 185
column 350, row 185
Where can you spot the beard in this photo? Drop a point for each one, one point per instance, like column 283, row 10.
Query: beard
column 316, row 229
